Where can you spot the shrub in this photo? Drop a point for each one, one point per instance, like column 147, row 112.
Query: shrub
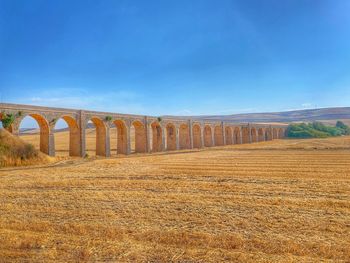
column 7, row 120
column 344, row 128
column 316, row 130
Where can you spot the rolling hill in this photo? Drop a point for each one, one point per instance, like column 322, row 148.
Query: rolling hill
column 326, row 114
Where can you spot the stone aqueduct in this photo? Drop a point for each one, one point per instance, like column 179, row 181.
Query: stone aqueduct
column 152, row 134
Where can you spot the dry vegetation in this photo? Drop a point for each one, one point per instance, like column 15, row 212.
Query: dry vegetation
column 16, row 152
column 281, row 201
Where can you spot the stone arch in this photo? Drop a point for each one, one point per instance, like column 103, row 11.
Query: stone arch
column 237, row 135
column 274, row 133
column 140, row 137
column 101, row 136
column 228, row 135
column 157, row 142
column 44, row 145
column 74, row 135
column 170, row 137
column 261, row 135
column 245, row 135
column 122, row 136
column 197, row 136
column 268, row 134
column 218, row 136
column 254, row 134
column 184, row 137
column 281, row 133
column 208, row 137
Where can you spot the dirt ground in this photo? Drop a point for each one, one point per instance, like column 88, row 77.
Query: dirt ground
column 280, row 201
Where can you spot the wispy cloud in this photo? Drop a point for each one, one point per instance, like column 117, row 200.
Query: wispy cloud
column 306, row 105
column 116, row 101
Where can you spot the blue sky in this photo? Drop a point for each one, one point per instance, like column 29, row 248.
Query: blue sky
column 176, row 57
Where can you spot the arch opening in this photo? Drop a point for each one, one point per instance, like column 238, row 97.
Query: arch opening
column 138, row 137
column 96, row 136
column 275, row 133
column 218, row 136
column 261, row 135
column 170, row 137
column 67, row 137
column 197, row 136
column 184, row 137
column 245, row 135
column 35, row 130
column 121, row 133
column 268, row 134
column 228, row 135
column 254, row 134
column 157, row 134
column 208, row 137
column 237, row 135
column 280, row 133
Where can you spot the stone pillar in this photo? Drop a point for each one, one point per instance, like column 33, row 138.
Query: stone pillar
column 51, row 142
column 177, row 130
column 202, row 135
column 82, row 127
column 108, row 141
column 233, row 135
column 223, row 133
column 271, row 133
column 148, row 148
column 212, row 136
column 128, row 137
column 240, row 136
column 163, row 137
column 250, row 133
column 191, row 133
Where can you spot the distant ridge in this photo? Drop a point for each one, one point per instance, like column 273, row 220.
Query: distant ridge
column 287, row 116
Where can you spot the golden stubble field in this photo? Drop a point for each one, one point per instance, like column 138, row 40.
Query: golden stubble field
column 280, row 201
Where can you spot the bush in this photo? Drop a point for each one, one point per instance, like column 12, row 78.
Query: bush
column 7, row 120
column 344, row 128
column 316, row 130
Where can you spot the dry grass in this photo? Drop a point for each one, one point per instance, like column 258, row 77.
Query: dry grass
column 16, row 152
column 264, row 202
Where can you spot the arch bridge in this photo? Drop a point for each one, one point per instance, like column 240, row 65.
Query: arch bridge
column 152, row 134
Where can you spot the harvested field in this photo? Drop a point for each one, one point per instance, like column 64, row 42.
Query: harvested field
column 280, row 201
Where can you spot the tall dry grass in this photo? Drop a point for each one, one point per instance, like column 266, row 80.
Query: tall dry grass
column 15, row 152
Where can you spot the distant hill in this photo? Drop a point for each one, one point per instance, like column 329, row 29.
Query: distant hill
column 287, row 116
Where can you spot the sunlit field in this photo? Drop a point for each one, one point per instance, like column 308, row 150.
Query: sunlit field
column 279, row 201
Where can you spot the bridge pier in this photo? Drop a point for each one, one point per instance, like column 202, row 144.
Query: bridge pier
column 177, row 130
column 51, row 142
column 190, row 130
column 223, row 133
column 81, row 135
column 202, row 135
